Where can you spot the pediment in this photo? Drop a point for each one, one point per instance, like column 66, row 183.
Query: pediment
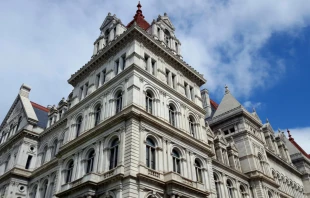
column 165, row 19
column 107, row 21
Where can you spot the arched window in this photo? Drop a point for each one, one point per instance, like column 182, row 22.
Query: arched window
column 242, row 192
column 217, row 186
column 90, row 161
column 261, row 163
column 97, row 114
column 79, row 126
column 150, row 153
column 149, row 101
column 69, row 173
column 198, row 170
column 18, row 123
column 167, row 37
column 51, row 188
column 118, row 102
column 176, row 161
column 44, row 188
column 34, row 191
column 230, row 189
column 43, row 155
column 172, row 115
column 114, row 154
column 55, row 148
column 269, row 194
column 191, row 123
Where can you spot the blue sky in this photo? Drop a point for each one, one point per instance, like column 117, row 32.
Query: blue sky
column 260, row 49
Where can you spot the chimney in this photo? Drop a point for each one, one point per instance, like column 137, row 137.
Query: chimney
column 24, row 90
column 206, row 102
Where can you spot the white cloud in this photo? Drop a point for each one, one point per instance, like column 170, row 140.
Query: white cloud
column 44, row 42
column 301, row 136
column 250, row 105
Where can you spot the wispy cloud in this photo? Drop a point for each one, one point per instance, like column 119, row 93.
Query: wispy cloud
column 250, row 105
column 44, row 42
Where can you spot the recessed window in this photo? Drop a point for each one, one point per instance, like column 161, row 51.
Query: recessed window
column 28, row 162
column 114, row 154
column 176, row 159
column 198, row 171
column 149, row 100
column 90, row 161
column 172, row 114
column 150, row 153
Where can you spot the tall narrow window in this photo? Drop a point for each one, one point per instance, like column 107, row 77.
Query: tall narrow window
column 11, row 130
column 69, row 171
column 229, row 189
column 6, row 166
column 90, row 162
column 44, row 155
column 172, row 115
column 167, row 77
column 116, row 67
column 28, row 162
column 150, row 153
column 176, row 161
column 18, row 123
column 114, row 154
column 174, row 83
column 97, row 114
column 167, row 37
column 269, row 194
column 86, row 89
column 153, row 67
column 55, row 148
column 191, row 124
column 34, row 191
column 217, row 186
column 104, row 75
column 191, row 91
column 158, row 32
column 98, row 80
column 261, row 163
column 119, row 102
column 81, row 93
column 149, row 102
column 243, row 192
column 78, row 126
column 124, row 62
column 198, row 171
column 44, row 188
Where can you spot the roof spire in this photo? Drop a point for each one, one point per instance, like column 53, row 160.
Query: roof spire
column 226, row 90
column 139, row 19
column 139, row 11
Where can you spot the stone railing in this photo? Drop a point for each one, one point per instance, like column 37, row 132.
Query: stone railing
column 172, row 176
column 150, row 172
column 108, row 174
column 153, row 173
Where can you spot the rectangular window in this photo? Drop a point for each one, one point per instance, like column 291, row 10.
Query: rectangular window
column 116, row 67
column 81, row 93
column 98, row 80
column 167, row 76
column 185, row 90
column 153, row 67
column 146, row 57
column 174, row 81
column 191, row 95
column 124, row 61
column 176, row 47
column 104, row 75
column 28, row 162
column 158, row 32
column 86, row 89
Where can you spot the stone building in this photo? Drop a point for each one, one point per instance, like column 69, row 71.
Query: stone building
column 137, row 125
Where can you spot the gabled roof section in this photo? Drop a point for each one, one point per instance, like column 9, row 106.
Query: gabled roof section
column 214, row 104
column 23, row 97
column 107, row 20
column 166, row 20
column 227, row 104
column 139, row 19
column 254, row 113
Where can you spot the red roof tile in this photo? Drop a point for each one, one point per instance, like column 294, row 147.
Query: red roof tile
column 139, row 19
column 214, row 104
column 39, row 107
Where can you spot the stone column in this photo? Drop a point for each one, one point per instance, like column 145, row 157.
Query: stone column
column 97, row 155
column 149, row 64
column 187, row 92
column 111, row 35
column 120, row 64
column 165, row 158
column 169, row 157
column 170, row 79
column 117, row 30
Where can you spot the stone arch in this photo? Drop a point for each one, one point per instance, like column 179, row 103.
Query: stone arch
column 174, row 103
column 178, row 149
column 155, row 138
column 152, row 194
column 111, row 138
column 148, row 87
column 201, row 161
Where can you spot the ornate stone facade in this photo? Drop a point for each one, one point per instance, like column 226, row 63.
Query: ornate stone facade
column 137, row 125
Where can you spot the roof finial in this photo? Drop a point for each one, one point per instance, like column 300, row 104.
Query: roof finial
column 254, row 110
column 289, row 134
column 139, row 6
column 267, row 120
column 226, row 89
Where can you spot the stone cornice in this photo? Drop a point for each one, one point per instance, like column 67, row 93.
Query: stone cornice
column 15, row 172
column 132, row 33
column 47, row 166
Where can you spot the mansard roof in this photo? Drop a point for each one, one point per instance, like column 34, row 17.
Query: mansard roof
column 41, row 113
column 139, row 19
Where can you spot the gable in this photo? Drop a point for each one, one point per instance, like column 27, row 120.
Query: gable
column 165, row 19
column 107, row 21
